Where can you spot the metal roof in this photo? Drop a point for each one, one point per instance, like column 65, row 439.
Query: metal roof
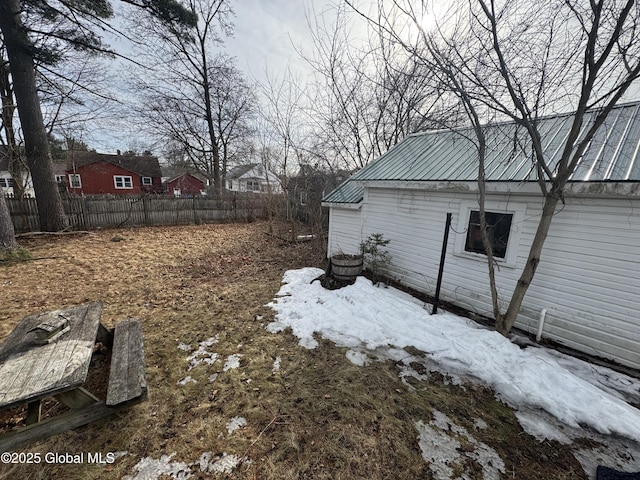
column 347, row 192
column 613, row 155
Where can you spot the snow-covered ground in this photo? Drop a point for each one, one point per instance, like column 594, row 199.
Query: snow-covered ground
column 556, row 396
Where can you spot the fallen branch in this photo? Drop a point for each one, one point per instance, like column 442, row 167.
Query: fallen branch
column 246, row 453
column 19, row 260
column 38, row 234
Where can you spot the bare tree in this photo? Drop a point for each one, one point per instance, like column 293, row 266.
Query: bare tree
column 522, row 60
column 193, row 96
column 8, row 137
column 368, row 97
column 23, row 24
column 281, row 128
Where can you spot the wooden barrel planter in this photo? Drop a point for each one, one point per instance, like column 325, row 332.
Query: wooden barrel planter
column 346, row 267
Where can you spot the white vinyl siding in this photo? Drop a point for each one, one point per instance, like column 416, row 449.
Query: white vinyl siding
column 587, row 279
column 345, row 235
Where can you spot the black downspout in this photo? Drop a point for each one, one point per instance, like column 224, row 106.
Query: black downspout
column 436, row 300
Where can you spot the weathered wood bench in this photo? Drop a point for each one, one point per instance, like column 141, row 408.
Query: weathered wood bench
column 127, row 386
column 127, row 379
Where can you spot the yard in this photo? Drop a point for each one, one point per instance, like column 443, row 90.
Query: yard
column 228, row 397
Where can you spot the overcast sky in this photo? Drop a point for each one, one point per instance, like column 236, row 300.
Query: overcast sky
column 265, row 32
column 265, row 35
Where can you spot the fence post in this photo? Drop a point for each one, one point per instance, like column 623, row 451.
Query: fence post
column 145, row 209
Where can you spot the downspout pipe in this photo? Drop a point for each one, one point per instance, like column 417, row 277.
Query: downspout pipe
column 543, row 314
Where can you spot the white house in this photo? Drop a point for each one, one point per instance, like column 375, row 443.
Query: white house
column 253, row 177
column 587, row 286
column 7, row 181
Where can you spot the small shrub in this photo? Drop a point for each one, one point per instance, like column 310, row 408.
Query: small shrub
column 374, row 255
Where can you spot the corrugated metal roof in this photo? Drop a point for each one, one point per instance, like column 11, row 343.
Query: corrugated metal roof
column 445, row 155
column 348, row 192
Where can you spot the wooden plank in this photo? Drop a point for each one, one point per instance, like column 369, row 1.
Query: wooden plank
column 56, row 425
column 76, row 398
column 29, row 371
column 127, row 378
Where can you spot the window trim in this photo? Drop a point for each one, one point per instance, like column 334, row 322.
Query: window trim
column 253, row 183
column 146, row 181
column 73, row 176
column 513, row 243
column 124, row 179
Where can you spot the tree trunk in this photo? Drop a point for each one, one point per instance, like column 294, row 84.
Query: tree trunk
column 17, row 167
column 7, row 232
column 50, row 209
column 504, row 324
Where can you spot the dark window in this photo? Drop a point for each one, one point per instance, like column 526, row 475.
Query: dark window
column 498, row 228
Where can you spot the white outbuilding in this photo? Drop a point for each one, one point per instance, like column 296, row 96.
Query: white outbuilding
column 586, row 291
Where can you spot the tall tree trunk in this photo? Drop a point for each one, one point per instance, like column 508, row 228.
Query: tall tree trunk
column 50, row 209
column 7, row 232
column 504, row 324
column 17, row 167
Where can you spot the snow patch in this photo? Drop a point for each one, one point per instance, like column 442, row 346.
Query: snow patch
column 182, row 382
column 150, row 468
column 358, row 358
column 443, row 450
column 532, row 379
column 224, row 464
column 201, row 354
column 276, row 365
column 232, row 362
column 235, row 423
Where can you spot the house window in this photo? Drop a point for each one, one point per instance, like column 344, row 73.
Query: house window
column 59, row 178
column 230, row 184
column 303, row 198
column 147, row 181
column 253, row 185
column 498, row 229
column 74, row 180
column 4, row 182
column 122, row 181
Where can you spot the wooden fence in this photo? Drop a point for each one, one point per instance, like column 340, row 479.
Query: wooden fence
column 91, row 212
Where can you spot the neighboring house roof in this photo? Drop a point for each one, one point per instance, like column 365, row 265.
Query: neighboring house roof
column 613, row 155
column 59, row 168
column 249, row 171
column 143, row 165
column 185, row 175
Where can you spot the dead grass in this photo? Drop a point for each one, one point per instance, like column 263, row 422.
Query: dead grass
column 317, row 417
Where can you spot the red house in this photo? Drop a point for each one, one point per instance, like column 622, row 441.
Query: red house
column 94, row 173
column 185, row 185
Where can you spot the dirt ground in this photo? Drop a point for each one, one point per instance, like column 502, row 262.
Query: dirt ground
column 271, row 408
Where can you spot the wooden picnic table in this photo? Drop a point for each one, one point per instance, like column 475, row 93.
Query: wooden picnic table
column 48, row 355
